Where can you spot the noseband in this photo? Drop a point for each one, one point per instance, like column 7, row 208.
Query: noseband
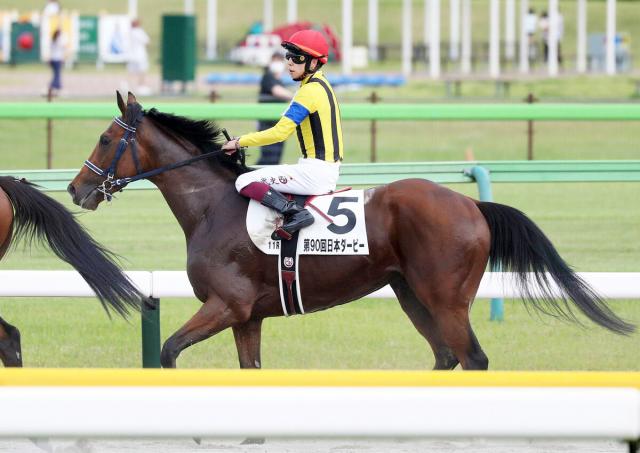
column 129, row 138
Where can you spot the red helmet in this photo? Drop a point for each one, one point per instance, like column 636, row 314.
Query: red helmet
column 311, row 42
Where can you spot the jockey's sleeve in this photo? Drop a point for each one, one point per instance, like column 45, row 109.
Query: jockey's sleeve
column 278, row 133
column 302, row 104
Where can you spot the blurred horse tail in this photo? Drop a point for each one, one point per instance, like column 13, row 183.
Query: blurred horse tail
column 28, row 214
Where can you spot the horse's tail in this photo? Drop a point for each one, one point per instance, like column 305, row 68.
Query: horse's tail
column 518, row 245
column 39, row 217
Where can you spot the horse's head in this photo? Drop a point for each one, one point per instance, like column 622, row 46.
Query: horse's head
column 116, row 157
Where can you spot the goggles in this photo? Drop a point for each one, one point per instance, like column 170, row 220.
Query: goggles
column 296, row 58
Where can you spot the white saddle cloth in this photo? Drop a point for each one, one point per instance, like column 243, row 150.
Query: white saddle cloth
column 342, row 232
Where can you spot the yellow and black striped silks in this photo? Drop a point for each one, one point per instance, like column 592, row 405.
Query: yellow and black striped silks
column 315, row 117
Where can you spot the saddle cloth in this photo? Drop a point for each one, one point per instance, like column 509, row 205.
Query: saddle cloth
column 339, row 229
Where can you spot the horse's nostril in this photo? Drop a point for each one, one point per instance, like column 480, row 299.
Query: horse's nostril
column 71, row 190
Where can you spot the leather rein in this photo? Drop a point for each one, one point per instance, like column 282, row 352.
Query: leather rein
column 111, row 184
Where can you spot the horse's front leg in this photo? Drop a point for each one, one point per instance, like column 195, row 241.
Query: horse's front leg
column 247, row 337
column 214, row 316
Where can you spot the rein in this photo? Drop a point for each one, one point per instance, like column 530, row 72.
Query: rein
column 129, row 138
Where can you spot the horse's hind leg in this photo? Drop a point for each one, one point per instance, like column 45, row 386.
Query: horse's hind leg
column 10, row 348
column 247, row 338
column 425, row 324
column 449, row 307
column 213, row 316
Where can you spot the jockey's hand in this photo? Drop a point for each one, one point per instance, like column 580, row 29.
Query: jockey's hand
column 231, row 146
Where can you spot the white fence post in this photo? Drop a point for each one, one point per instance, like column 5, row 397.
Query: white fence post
column 407, row 50
column 494, row 38
column 465, row 63
column 212, row 29
column 611, row 37
column 347, row 35
column 434, row 39
column 581, row 41
column 373, row 29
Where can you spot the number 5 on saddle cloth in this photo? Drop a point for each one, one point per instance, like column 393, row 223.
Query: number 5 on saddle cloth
column 339, row 229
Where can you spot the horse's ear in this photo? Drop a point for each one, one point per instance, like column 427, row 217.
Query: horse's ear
column 121, row 105
column 131, row 99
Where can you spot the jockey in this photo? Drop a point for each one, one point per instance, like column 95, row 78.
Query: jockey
column 315, row 117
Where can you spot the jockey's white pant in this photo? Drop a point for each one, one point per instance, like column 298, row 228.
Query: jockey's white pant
column 307, row 177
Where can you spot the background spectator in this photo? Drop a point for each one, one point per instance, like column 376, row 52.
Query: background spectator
column 272, row 90
column 138, row 58
column 560, row 36
column 543, row 23
column 530, row 26
column 545, row 26
column 52, row 8
column 56, row 55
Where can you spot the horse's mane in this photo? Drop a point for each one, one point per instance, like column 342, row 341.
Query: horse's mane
column 205, row 135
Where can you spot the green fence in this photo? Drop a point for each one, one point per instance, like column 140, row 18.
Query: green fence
column 367, row 175
column 387, row 112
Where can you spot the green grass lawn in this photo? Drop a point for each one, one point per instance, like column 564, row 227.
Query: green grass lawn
column 367, row 334
column 24, row 141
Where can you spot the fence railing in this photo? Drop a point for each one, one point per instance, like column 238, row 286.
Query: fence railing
column 159, row 284
column 367, row 174
column 361, row 111
column 327, row 403
column 373, row 112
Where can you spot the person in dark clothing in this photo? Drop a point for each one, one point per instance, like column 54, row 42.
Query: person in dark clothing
column 272, row 90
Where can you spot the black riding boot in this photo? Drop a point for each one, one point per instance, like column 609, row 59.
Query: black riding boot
column 295, row 217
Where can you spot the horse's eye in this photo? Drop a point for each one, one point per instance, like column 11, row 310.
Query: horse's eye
column 104, row 141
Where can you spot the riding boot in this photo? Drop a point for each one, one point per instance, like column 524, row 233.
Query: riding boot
column 295, row 217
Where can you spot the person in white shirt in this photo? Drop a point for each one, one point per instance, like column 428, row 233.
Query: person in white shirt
column 560, row 36
column 52, row 8
column 530, row 26
column 138, row 61
column 545, row 26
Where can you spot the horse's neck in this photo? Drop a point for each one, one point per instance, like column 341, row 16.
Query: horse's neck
column 193, row 190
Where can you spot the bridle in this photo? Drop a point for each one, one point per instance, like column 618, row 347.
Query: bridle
column 128, row 140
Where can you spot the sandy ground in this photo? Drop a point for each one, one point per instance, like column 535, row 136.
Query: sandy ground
column 313, row 446
column 17, row 84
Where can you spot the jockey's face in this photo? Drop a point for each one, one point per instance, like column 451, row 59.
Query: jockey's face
column 297, row 70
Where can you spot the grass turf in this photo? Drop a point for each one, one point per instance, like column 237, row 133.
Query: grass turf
column 367, row 334
column 24, row 142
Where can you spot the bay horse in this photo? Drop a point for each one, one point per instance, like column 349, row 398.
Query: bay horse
column 29, row 215
column 429, row 243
